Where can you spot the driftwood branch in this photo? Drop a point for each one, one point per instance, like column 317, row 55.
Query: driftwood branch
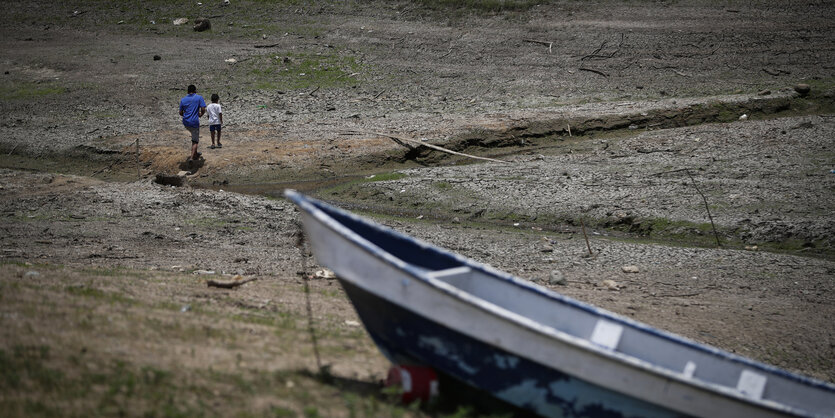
column 707, row 207
column 591, row 70
column 401, row 140
column 546, row 43
column 228, row 284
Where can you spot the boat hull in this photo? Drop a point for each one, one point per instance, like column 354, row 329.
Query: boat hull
column 405, row 337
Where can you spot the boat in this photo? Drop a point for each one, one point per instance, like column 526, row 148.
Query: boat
column 532, row 347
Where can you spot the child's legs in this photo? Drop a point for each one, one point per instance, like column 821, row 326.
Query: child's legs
column 213, row 136
column 218, row 136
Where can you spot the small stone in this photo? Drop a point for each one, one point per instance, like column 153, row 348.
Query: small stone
column 611, row 285
column 556, row 278
column 202, row 24
column 456, row 220
column 180, row 21
column 802, row 88
column 185, row 308
column 351, row 323
column 751, row 248
column 764, row 92
column 157, row 57
column 32, row 273
column 547, row 248
column 744, row 117
column 204, row 272
column 324, row 274
column 630, row 269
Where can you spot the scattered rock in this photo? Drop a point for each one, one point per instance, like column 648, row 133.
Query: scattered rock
column 802, row 88
column 744, row 117
column 202, row 24
column 180, row 21
column 324, row 274
column 611, row 285
column 556, row 278
column 751, row 248
column 204, row 272
column 547, row 248
column 630, row 269
column 351, row 323
column 170, row 180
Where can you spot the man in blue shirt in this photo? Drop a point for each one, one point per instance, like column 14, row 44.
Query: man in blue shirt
column 192, row 108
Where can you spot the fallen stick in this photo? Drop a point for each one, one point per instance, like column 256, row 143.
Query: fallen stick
column 231, row 284
column 435, row 147
column 594, row 71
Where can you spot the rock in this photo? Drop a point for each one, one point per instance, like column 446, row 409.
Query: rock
column 744, row 117
column 202, row 24
column 764, row 92
column 185, row 308
column 456, row 220
column 157, row 57
column 630, row 269
column 32, row 273
column 802, row 88
column 611, row 285
column 547, row 248
column 230, row 60
column 324, row 274
column 180, row 21
column 204, row 272
column 170, row 180
column 351, row 323
column 751, row 248
column 556, row 278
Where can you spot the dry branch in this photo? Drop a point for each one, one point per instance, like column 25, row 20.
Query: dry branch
column 591, row 70
column 400, row 140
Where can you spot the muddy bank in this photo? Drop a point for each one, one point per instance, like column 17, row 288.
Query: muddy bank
column 765, row 183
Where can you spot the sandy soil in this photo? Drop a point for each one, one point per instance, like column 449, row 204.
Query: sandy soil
column 597, row 109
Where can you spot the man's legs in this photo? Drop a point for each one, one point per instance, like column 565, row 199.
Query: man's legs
column 195, row 139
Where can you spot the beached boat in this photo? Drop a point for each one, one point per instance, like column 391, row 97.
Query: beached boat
column 530, row 346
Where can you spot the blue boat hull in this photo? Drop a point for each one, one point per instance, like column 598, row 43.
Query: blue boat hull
column 406, row 337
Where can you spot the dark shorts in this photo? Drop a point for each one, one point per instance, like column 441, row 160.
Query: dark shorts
column 195, row 134
column 213, row 128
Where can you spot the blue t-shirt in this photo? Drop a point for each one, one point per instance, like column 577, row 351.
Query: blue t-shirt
column 190, row 105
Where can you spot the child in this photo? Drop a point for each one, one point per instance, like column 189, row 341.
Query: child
column 215, row 120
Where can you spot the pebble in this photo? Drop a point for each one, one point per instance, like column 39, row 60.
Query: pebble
column 204, row 272
column 351, row 323
column 744, row 117
column 611, row 285
column 556, row 278
column 802, row 88
column 631, row 269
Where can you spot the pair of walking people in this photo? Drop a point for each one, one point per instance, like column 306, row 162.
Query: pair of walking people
column 192, row 108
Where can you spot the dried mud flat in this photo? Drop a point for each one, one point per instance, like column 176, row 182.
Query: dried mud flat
column 105, row 308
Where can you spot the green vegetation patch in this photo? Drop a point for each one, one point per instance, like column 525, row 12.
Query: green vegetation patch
column 482, row 6
column 29, row 90
column 299, row 71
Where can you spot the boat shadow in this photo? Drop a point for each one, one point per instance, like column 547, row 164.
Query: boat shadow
column 455, row 398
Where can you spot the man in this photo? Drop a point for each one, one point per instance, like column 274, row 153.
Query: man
column 192, row 108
